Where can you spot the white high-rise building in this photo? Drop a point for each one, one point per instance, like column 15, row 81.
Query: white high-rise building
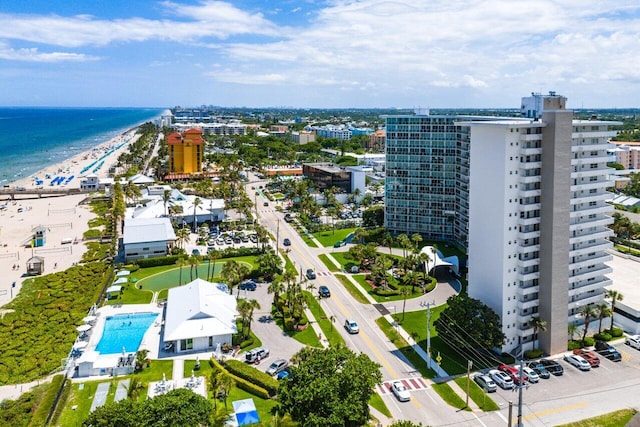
column 538, row 219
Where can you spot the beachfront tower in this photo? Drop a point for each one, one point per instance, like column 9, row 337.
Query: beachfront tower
column 185, row 151
column 538, row 220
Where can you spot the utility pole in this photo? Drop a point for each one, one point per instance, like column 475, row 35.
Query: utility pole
column 510, row 419
column 428, row 305
column 519, row 387
column 469, row 365
column 278, row 237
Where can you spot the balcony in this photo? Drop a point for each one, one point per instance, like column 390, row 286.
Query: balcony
column 586, row 160
column 529, row 193
column 577, row 147
column 528, row 262
column 529, row 179
column 594, row 286
column 580, row 238
column 528, row 221
column 586, row 222
column 583, row 263
column 575, row 199
column 595, row 299
column 602, row 247
column 523, row 235
column 587, row 274
column 530, row 165
column 588, row 210
column 588, row 185
column 528, row 276
column 590, row 135
column 523, row 292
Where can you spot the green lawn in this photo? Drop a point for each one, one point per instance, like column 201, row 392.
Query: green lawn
column 360, row 278
column 452, row 362
column 82, row 393
column 344, row 259
column 612, row 419
column 351, row 288
column 377, row 402
column 328, row 327
column 328, row 238
column 477, row 395
column 329, row 264
column 171, row 278
column 447, row 394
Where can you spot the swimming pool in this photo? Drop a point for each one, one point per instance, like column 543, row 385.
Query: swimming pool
column 124, row 330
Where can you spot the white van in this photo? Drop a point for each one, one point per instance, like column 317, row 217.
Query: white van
column 66, row 240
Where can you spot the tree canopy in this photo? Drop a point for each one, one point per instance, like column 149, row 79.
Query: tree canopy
column 329, row 387
column 467, row 322
column 179, row 407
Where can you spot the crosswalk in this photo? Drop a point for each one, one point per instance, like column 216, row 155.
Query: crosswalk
column 412, row 384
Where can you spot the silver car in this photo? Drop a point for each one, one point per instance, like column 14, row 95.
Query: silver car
column 400, row 391
column 277, row 366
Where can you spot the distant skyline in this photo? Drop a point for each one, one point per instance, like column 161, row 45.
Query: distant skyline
column 318, row 54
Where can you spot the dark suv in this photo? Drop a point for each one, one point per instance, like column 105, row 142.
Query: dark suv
column 605, row 349
column 552, row 366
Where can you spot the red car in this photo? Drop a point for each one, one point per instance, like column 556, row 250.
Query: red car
column 590, row 357
column 513, row 373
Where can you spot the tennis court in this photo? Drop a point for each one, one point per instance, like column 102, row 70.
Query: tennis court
column 171, row 278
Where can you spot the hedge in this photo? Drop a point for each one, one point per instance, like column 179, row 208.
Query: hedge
column 253, row 375
column 242, row 383
column 155, row 262
column 62, row 402
column 46, row 404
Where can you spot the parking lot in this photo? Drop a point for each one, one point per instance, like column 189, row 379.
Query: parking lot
column 576, row 393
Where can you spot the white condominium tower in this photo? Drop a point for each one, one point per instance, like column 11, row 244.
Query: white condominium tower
column 538, row 219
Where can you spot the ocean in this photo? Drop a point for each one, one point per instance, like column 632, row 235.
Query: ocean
column 34, row 138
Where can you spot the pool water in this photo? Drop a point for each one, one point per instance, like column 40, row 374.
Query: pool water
column 124, row 331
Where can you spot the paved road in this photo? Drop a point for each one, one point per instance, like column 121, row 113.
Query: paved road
column 425, row 406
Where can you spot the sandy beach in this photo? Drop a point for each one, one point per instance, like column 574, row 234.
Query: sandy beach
column 63, row 218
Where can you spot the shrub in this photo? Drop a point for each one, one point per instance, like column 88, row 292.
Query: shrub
column 253, row 375
column 242, row 383
column 533, row 354
column 604, row 336
column 615, row 332
column 588, row 342
column 386, row 293
column 303, row 321
column 155, row 262
column 46, row 405
column 288, row 323
column 432, row 285
column 574, row 344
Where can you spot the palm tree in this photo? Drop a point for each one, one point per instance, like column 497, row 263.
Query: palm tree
column 405, row 292
column 253, row 304
column 404, row 242
column 197, row 202
column 602, row 311
column 387, row 240
column 588, row 313
column 572, row 329
column 225, row 384
column 243, row 308
column 166, row 197
column 276, row 288
column 194, row 260
column 538, row 325
column 183, row 236
column 181, row 262
column 416, row 239
column 615, row 297
column 136, row 385
column 141, row 359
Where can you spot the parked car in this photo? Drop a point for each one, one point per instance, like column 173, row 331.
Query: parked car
column 593, row 360
column 578, row 362
column 400, row 391
column 540, row 370
column 339, row 244
column 633, row 341
column 284, row 374
column 351, row 326
column 311, row 274
column 605, row 349
column 249, row 285
column 552, row 366
column 513, row 373
column 277, row 367
column 529, row 374
column 265, row 204
column 324, row 291
column 286, row 242
column 256, row 354
column 485, row 382
column 501, row 379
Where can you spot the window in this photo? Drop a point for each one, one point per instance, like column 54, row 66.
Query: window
column 186, row 344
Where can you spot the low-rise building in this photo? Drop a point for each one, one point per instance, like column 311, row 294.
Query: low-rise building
column 147, row 238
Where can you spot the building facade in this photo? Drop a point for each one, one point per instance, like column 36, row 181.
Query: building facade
column 526, row 196
column 423, row 173
column 538, row 220
column 186, row 151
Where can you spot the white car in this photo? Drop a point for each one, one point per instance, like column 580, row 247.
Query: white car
column 501, row 378
column 400, row 391
column 578, row 361
column 351, row 326
column 529, row 374
column 485, row 382
column 633, row 341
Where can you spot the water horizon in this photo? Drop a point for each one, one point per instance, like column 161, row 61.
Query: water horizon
column 33, row 138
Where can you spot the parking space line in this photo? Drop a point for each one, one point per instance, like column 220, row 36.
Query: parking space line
column 555, row 410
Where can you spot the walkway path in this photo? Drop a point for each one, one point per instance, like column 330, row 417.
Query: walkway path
column 100, row 398
column 178, row 370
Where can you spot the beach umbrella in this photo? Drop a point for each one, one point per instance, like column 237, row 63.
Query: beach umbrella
column 89, row 319
column 83, row 328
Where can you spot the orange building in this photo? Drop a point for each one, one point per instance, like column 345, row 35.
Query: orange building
column 185, row 151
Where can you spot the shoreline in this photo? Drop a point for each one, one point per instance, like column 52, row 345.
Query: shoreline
column 64, row 218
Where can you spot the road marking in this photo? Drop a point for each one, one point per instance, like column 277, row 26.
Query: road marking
column 555, row 410
column 410, row 383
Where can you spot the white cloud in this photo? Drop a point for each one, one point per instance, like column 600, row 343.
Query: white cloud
column 34, row 55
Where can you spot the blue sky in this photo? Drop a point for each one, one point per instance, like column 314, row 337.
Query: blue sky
column 318, row 54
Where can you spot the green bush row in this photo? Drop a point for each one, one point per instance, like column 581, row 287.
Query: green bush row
column 242, row 383
column 62, row 402
column 155, row 262
column 253, row 375
column 46, row 404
